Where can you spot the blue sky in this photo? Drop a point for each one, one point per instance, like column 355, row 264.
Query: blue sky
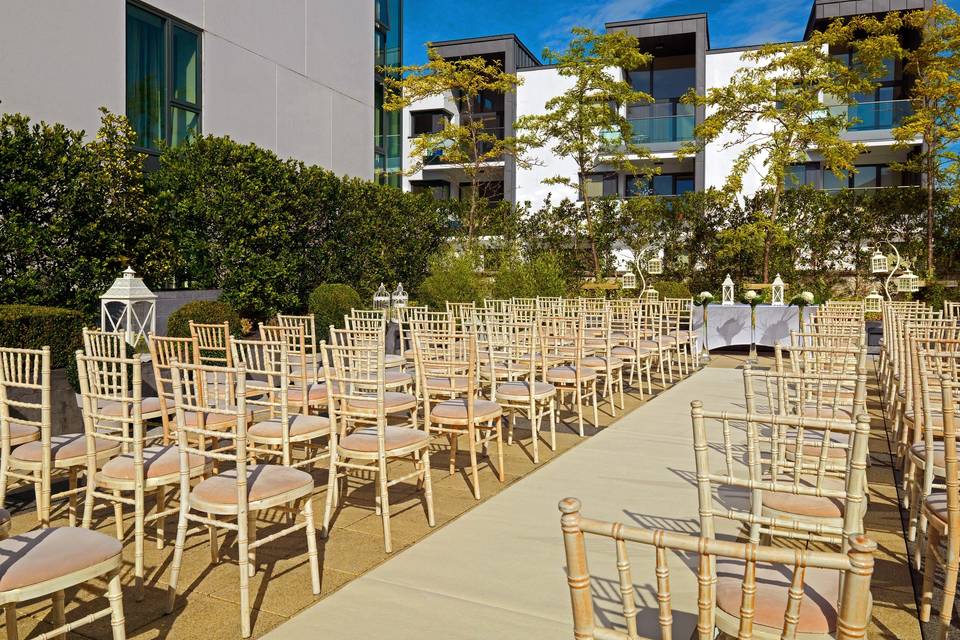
column 547, row 23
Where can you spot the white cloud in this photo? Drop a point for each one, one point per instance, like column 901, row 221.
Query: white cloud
column 780, row 21
column 595, row 13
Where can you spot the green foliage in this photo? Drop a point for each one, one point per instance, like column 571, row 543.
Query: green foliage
column 329, row 303
column 202, row 312
column 453, row 277
column 25, row 326
column 672, row 289
column 538, row 276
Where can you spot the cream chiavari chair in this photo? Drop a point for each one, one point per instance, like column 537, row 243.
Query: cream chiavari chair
column 549, row 305
column 497, row 305
column 403, row 316
column 562, row 341
column 305, row 392
column 653, row 338
column 309, row 324
column 680, row 314
column 889, row 311
column 607, row 365
column 951, row 310
column 114, row 345
column 523, row 304
column 371, row 321
column 362, row 441
column 746, row 590
column 626, row 333
column 462, row 313
column 232, row 499
column 126, row 479
column 447, row 366
column 212, row 343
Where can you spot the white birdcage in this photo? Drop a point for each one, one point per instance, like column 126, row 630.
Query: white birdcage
column 381, row 299
column 128, row 306
column 908, row 282
column 873, row 303
column 651, row 295
column 776, row 292
column 879, row 263
column 628, row 280
column 655, row 266
column 727, row 294
column 400, row 297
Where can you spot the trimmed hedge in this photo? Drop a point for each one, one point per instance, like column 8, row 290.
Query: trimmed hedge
column 329, row 303
column 202, row 312
column 672, row 289
column 25, row 326
column 453, row 278
column 539, row 276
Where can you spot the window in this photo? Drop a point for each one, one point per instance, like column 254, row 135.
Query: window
column 163, row 78
column 666, row 80
column 491, row 190
column 665, row 184
column 802, row 174
column 439, row 189
column 427, row 122
column 598, row 185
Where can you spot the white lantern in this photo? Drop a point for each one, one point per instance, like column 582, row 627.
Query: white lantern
column 651, row 295
column 879, row 263
column 400, row 297
column 655, row 266
column 776, row 292
column 628, row 280
column 873, row 303
column 128, row 306
column 381, row 299
column 908, row 282
column 727, row 297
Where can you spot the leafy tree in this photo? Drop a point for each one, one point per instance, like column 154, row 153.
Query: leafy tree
column 586, row 122
column 772, row 111
column 469, row 144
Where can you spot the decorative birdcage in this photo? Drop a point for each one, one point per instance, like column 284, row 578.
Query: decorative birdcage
column 873, row 303
column 776, row 292
column 128, row 306
column 651, row 295
column 908, row 282
column 655, row 266
column 879, row 263
column 628, row 280
column 728, row 292
column 381, row 299
column 400, row 297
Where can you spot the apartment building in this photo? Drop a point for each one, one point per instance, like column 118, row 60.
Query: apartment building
column 297, row 76
column 682, row 60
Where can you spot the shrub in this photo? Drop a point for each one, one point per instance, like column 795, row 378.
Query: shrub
column 672, row 289
column 453, row 278
column 539, row 276
column 26, row 326
column 202, row 312
column 329, row 303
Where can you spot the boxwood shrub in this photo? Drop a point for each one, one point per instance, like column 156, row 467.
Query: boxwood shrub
column 672, row 289
column 202, row 312
column 329, row 303
column 27, row 326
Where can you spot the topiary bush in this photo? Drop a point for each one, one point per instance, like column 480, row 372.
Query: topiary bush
column 672, row 289
column 329, row 303
column 25, row 326
column 453, row 278
column 202, row 312
column 539, row 276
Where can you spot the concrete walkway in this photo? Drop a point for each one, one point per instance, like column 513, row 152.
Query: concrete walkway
column 498, row 570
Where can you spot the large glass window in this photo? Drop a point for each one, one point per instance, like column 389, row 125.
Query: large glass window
column 665, row 184
column 163, row 78
column 439, row 189
column 388, row 52
column 491, row 190
column 598, row 185
column 427, row 122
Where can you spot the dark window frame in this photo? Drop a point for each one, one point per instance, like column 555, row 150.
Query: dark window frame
column 484, row 193
column 674, row 178
column 429, row 185
column 170, row 22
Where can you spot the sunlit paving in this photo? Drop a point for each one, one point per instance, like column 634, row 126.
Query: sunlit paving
column 652, row 334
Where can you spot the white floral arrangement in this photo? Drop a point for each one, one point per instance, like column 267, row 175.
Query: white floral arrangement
column 750, row 296
column 704, row 298
column 802, row 299
column 807, row 297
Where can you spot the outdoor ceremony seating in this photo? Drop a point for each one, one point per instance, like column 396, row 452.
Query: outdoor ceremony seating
column 114, row 344
column 608, row 366
column 562, row 341
column 305, row 390
column 370, row 321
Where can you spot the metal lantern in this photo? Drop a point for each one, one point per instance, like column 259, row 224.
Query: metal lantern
column 655, row 266
column 879, row 263
column 908, row 282
column 873, row 302
column 628, row 280
column 381, row 299
column 776, row 292
column 651, row 295
column 400, row 297
column 727, row 297
column 128, row 306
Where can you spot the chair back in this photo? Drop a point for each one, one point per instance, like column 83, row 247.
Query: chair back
column 366, row 320
column 652, row 320
column 855, row 565
column 25, row 396
column 267, row 366
column 104, row 343
column 301, row 370
column 212, row 344
column 447, row 368
column 114, row 382
column 164, row 351
column 680, row 312
column 836, row 396
column 309, row 324
column 834, row 357
column 355, row 372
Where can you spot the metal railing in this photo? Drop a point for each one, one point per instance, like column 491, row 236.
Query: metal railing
column 484, row 146
column 873, row 116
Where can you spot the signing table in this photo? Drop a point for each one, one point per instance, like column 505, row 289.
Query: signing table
column 730, row 325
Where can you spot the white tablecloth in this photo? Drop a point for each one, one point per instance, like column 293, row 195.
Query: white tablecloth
column 730, row 325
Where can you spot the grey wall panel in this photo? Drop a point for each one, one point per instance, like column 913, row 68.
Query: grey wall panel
column 275, row 29
column 340, row 46
column 305, row 120
column 187, row 10
column 352, row 136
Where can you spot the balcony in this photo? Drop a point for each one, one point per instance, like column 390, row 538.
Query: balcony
column 436, row 158
column 873, row 116
column 656, row 130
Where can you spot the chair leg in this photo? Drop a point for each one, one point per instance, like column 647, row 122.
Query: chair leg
column 118, row 515
column 499, row 428
column 243, row 553
column 926, row 592
column 454, row 444
column 42, row 488
column 427, row 486
column 214, row 536
column 72, row 498
column 59, row 617
column 473, row 462
column 138, row 540
column 331, row 490
column 252, row 537
column 89, row 504
column 534, row 430
column 949, row 583
column 312, row 545
column 161, row 507
column 115, row 597
column 177, row 555
column 579, row 399
column 384, row 504
column 10, row 610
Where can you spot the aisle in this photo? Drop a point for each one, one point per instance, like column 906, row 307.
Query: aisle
column 498, row 570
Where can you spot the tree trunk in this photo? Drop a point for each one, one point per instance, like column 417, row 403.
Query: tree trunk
column 930, row 188
column 589, row 219
column 768, row 236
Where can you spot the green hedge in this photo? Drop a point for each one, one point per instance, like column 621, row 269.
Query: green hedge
column 453, row 278
column 329, row 303
column 202, row 312
column 26, row 326
column 672, row 289
column 538, row 276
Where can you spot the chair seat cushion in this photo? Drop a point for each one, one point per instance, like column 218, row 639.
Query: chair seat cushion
column 919, row 451
column 365, row 439
column 597, row 362
column 821, row 590
column 623, row 351
column 456, row 409
column 62, row 447
column 936, row 505
column 515, row 390
column 392, row 400
column 661, row 343
column 300, row 425
column 682, row 334
column 46, row 554
column 211, row 420
column 147, row 405
column 569, row 374
column 813, row 449
column 318, row 391
column 806, row 505
column 441, row 383
column 20, row 433
column 936, row 418
column 263, row 481
column 393, row 360
column 158, row 461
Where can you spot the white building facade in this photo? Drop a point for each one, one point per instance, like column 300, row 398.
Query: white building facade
column 682, row 60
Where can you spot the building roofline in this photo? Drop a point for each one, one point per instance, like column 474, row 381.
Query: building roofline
column 630, row 23
column 750, row 47
column 490, row 38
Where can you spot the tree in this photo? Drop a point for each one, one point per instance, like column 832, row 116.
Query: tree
column 470, row 144
column 934, row 65
column 771, row 112
column 586, row 122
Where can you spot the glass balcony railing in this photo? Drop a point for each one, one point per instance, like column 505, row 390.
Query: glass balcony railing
column 483, row 147
column 873, row 116
column 657, row 129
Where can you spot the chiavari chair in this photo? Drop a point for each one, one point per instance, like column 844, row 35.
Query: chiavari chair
column 369, row 321
column 309, row 324
column 113, row 344
column 654, row 338
column 562, row 341
column 679, row 311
